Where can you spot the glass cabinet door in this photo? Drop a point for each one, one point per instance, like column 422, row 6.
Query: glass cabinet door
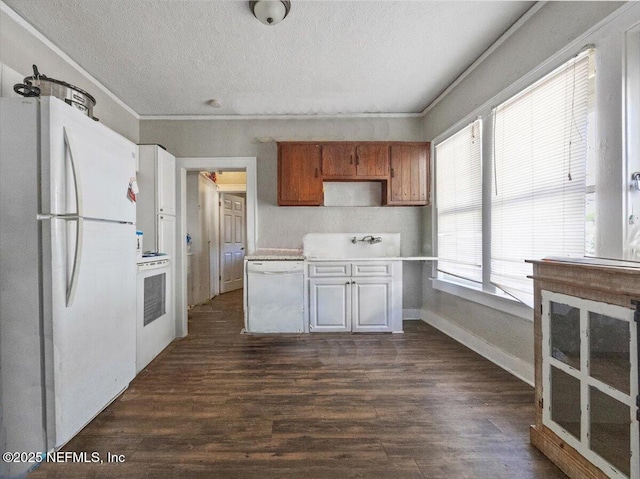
column 590, row 380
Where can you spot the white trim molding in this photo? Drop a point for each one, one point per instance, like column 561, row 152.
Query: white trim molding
column 512, row 364
column 335, row 116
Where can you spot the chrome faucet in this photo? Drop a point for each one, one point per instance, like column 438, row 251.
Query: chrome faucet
column 367, row 239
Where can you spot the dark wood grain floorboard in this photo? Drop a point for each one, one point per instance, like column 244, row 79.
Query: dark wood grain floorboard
column 220, row 404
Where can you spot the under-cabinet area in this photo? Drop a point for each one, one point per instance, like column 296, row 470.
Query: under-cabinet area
column 402, row 168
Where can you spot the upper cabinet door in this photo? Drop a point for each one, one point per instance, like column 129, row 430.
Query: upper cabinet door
column 372, row 160
column 338, row 160
column 166, row 189
column 409, row 180
column 299, row 178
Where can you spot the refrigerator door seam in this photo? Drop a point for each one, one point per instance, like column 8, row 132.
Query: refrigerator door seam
column 71, row 291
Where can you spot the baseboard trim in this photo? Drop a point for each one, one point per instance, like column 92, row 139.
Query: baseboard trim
column 516, row 366
column 411, row 314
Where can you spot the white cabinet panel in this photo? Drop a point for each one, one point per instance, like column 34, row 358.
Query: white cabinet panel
column 166, row 199
column 330, row 301
column 361, row 296
column 157, row 196
column 372, row 304
column 319, row 270
column 372, row 269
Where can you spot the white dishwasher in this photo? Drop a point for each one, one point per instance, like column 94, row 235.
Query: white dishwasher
column 274, row 296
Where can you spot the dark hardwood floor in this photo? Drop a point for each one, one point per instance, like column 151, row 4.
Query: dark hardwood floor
column 219, row 404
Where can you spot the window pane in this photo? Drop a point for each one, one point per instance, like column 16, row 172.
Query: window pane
column 539, row 182
column 459, row 204
column 565, row 401
column 609, row 359
column 565, row 334
column 610, row 430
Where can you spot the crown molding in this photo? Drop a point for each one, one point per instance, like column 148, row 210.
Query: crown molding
column 337, row 116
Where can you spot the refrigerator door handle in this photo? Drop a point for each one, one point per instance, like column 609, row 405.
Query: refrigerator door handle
column 75, row 272
column 76, row 172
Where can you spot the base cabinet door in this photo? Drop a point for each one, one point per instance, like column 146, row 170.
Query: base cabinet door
column 330, row 305
column 371, row 305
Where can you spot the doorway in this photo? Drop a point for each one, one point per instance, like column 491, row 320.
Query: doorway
column 183, row 166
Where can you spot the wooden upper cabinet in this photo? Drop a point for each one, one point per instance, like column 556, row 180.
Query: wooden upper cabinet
column 299, row 179
column 402, row 168
column 372, row 160
column 338, row 160
column 409, row 179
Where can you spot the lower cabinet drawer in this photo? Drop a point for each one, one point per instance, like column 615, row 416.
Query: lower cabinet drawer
column 322, row 270
column 371, row 269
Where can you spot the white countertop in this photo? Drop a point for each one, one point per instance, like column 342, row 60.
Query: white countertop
column 296, row 255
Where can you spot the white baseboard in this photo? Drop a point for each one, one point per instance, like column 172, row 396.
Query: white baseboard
column 411, row 314
column 516, row 366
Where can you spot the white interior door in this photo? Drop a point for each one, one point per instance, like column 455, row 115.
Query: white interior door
column 232, row 236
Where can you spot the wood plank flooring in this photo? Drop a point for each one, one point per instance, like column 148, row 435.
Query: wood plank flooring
column 219, row 404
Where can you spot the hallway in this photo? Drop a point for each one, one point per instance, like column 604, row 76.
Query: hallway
column 220, row 404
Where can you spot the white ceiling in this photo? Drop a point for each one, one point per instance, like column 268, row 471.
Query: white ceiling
column 169, row 57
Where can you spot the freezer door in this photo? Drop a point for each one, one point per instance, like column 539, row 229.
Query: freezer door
column 86, row 167
column 91, row 342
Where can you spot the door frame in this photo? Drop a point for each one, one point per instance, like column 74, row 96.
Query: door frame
column 249, row 164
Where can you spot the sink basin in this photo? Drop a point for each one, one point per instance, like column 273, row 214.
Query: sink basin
column 341, row 246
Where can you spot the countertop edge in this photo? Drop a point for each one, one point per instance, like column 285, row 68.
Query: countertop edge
column 302, row 258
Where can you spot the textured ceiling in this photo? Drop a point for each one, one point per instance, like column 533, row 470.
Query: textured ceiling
column 169, row 57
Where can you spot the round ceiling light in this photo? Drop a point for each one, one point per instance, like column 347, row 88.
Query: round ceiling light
column 270, row 12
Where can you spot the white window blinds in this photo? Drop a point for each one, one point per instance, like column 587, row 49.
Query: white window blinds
column 459, row 204
column 538, row 187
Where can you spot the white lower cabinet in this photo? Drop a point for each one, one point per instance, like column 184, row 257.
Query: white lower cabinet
column 359, row 297
column 330, row 309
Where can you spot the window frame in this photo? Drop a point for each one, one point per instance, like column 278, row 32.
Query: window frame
column 486, row 293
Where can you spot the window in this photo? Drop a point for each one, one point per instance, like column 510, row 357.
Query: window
column 539, row 174
column 459, row 200
column 534, row 184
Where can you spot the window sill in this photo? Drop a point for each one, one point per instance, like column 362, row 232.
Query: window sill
column 485, row 298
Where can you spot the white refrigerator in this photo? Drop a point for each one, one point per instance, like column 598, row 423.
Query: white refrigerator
column 67, row 274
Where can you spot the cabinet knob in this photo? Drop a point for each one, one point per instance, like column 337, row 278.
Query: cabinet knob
column 392, row 173
column 351, row 159
column 316, row 172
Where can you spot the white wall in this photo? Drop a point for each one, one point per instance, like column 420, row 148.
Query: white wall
column 551, row 33
column 21, row 47
column 284, row 227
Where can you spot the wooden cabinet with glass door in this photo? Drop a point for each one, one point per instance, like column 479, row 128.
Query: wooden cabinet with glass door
column 586, row 368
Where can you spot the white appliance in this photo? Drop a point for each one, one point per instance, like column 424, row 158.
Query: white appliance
column 154, row 318
column 68, row 291
column 275, row 296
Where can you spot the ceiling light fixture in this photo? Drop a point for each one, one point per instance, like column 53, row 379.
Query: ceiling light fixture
column 270, row 12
